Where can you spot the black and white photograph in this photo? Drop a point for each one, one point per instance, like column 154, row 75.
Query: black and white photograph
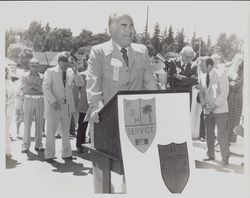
column 125, row 99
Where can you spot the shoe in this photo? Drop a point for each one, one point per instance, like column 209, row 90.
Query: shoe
column 49, row 160
column 224, row 162
column 79, row 150
column 39, row 149
column 202, row 139
column 73, row 134
column 69, row 158
column 44, row 135
column 208, row 159
column 58, row 137
column 25, row 150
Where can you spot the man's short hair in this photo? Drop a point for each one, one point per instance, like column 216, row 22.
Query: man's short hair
column 117, row 15
column 34, row 61
column 63, row 58
column 188, row 49
column 209, row 61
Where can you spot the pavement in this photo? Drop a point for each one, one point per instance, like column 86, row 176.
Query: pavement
column 29, row 175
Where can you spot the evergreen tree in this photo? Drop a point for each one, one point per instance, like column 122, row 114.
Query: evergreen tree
column 156, row 39
column 170, row 37
column 209, row 46
column 180, row 40
column 195, row 43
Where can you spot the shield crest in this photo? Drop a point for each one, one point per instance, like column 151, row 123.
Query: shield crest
column 140, row 122
column 174, row 166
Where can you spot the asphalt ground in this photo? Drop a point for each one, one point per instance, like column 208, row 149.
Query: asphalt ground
column 29, row 175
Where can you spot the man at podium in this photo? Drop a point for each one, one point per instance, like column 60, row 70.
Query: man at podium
column 114, row 66
column 117, row 65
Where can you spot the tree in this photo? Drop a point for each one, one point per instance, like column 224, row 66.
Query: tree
column 100, row 38
column 180, row 40
column 143, row 39
column 195, row 43
column 60, row 39
column 170, row 37
column 156, row 39
column 147, row 109
column 228, row 46
column 209, row 46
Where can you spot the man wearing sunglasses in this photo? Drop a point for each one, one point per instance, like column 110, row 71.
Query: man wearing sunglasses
column 33, row 106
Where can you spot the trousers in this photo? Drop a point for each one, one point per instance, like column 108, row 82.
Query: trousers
column 52, row 124
column 220, row 120
column 33, row 107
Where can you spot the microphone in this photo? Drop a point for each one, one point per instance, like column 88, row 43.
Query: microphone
column 168, row 66
column 159, row 56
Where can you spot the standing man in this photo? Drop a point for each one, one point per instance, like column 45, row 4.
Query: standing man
column 214, row 91
column 59, row 104
column 182, row 74
column 116, row 65
column 82, row 106
column 31, row 85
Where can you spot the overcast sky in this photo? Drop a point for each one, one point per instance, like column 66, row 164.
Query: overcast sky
column 206, row 18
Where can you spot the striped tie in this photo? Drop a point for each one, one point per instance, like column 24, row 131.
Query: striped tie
column 124, row 55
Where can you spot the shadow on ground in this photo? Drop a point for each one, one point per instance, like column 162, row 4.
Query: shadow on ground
column 239, row 169
column 77, row 169
column 38, row 157
column 10, row 162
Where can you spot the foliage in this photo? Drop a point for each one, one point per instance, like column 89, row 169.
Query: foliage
column 45, row 38
column 228, row 45
column 180, row 40
column 156, row 40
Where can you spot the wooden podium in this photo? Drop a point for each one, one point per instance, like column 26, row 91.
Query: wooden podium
column 106, row 150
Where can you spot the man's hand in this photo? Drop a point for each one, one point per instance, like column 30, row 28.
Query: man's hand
column 211, row 106
column 179, row 77
column 56, row 106
column 232, row 83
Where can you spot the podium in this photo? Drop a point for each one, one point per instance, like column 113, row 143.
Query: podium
column 106, row 150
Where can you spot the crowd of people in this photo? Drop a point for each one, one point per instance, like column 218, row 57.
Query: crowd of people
column 49, row 100
column 69, row 96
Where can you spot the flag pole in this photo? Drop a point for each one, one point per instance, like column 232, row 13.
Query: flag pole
column 146, row 31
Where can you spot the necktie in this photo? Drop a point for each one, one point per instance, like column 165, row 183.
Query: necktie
column 64, row 78
column 207, row 79
column 124, row 55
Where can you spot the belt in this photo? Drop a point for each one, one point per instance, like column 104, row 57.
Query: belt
column 33, row 96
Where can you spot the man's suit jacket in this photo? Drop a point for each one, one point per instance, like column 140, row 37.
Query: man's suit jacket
column 54, row 90
column 108, row 72
column 216, row 93
column 190, row 72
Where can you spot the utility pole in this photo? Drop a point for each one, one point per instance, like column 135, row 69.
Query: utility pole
column 146, row 31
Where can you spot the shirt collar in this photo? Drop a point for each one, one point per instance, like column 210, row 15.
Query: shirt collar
column 119, row 47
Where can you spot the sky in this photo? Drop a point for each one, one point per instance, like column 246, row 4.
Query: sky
column 205, row 18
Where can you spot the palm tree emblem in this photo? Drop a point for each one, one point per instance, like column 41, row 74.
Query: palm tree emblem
column 147, row 110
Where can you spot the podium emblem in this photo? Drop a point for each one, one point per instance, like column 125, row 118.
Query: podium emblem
column 174, row 166
column 140, row 122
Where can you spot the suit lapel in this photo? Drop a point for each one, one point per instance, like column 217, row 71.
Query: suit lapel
column 59, row 76
column 213, row 79
column 131, row 56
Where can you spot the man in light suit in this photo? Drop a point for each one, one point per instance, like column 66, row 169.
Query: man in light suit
column 116, row 65
column 59, row 104
column 214, row 91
